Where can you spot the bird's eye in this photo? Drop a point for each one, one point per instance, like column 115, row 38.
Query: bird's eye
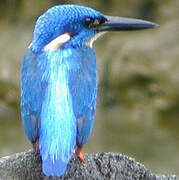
column 92, row 23
column 88, row 22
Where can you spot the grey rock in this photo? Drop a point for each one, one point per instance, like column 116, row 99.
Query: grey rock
column 27, row 166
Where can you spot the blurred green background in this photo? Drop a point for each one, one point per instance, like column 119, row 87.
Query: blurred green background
column 138, row 104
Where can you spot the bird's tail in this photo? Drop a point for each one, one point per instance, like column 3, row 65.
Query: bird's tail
column 57, row 126
column 54, row 168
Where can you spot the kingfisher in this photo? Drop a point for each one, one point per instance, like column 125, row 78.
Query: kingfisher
column 59, row 81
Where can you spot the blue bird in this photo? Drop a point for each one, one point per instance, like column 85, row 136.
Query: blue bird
column 58, row 81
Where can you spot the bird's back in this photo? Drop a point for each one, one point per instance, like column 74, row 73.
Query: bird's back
column 58, row 88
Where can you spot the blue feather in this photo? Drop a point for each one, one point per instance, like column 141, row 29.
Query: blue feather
column 32, row 93
column 61, row 19
column 58, row 123
column 58, row 88
column 83, row 87
column 66, row 92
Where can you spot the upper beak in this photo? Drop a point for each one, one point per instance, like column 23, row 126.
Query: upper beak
column 124, row 24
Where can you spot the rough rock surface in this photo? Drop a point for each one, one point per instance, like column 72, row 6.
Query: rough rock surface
column 27, row 166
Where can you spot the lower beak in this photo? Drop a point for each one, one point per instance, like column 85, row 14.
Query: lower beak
column 125, row 24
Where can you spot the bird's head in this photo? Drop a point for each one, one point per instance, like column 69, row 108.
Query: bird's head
column 73, row 26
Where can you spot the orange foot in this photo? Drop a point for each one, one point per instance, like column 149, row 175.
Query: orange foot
column 80, row 154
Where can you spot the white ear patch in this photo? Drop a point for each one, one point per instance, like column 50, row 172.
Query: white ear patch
column 57, row 42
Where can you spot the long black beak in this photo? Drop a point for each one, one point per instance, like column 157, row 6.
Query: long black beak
column 124, row 24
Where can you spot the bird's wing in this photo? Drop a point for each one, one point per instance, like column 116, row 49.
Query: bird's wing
column 83, row 88
column 32, row 94
column 45, row 93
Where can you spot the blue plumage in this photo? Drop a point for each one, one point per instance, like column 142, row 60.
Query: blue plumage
column 56, row 92
column 61, row 19
column 58, row 81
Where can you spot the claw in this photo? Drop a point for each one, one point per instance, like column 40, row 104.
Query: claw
column 80, row 154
